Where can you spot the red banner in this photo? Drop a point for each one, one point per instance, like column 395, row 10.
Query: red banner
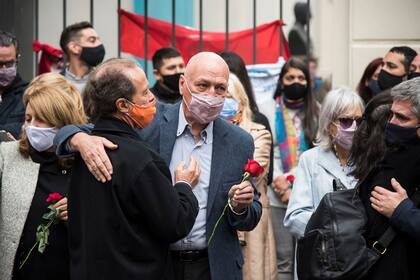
column 50, row 57
column 187, row 40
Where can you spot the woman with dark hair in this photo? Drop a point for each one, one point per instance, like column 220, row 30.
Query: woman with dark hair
column 369, row 145
column 237, row 66
column 387, row 146
column 368, row 84
column 294, row 115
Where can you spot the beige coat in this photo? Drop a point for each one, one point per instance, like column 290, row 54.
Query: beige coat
column 258, row 245
column 19, row 177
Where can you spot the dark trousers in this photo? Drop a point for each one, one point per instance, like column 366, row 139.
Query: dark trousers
column 191, row 269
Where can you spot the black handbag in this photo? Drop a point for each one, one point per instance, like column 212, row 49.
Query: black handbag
column 333, row 246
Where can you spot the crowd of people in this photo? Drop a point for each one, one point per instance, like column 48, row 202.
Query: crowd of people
column 104, row 176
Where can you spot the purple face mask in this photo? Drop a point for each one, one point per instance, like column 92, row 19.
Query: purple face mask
column 204, row 109
column 344, row 137
column 7, row 75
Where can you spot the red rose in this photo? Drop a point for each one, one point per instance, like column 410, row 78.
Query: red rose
column 253, row 168
column 290, row 178
column 54, row 197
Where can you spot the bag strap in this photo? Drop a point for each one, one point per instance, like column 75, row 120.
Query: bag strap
column 383, row 242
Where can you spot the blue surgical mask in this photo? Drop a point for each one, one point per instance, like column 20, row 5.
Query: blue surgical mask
column 230, row 108
column 41, row 139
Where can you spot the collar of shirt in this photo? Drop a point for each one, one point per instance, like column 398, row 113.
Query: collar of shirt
column 73, row 77
column 183, row 126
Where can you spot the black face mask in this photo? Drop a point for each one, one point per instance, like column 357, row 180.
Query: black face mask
column 93, row 56
column 172, row 81
column 413, row 75
column 374, row 86
column 395, row 134
column 387, row 80
column 295, row 91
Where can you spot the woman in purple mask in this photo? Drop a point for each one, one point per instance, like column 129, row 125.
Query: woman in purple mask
column 324, row 168
column 293, row 116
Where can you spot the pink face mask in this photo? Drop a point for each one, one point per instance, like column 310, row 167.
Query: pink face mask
column 204, row 109
column 344, row 137
column 7, row 75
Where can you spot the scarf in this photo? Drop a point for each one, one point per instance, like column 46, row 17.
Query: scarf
column 291, row 144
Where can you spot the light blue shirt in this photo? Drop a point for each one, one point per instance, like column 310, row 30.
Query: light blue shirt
column 317, row 169
column 79, row 83
column 185, row 147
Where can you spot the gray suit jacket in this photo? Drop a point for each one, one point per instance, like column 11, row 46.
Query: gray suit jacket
column 232, row 147
column 19, row 177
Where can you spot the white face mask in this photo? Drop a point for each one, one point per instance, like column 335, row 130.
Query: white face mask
column 41, row 139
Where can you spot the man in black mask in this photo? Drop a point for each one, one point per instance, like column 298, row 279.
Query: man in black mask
column 415, row 68
column 12, row 87
column 168, row 65
column 396, row 67
column 83, row 50
column 400, row 163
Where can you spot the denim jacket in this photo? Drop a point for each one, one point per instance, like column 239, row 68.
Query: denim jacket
column 317, row 169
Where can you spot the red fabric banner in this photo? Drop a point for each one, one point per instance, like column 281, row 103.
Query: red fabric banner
column 188, row 40
column 50, row 56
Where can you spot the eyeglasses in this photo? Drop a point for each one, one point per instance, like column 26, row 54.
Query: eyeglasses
column 7, row 64
column 346, row 122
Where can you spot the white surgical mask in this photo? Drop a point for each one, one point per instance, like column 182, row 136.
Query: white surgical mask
column 41, row 139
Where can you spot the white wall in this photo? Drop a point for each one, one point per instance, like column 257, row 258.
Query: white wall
column 347, row 34
column 105, row 20
column 378, row 25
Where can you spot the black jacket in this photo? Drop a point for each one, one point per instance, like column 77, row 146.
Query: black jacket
column 400, row 261
column 12, row 111
column 165, row 95
column 122, row 229
column 406, row 218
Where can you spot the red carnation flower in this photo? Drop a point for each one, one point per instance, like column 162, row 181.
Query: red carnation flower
column 54, row 197
column 253, row 168
column 290, row 178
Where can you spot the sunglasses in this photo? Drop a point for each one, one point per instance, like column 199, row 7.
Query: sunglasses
column 346, row 122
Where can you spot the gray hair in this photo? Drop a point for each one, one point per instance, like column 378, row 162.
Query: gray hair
column 336, row 103
column 7, row 39
column 408, row 91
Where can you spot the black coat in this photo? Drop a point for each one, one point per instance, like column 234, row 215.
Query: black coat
column 122, row 229
column 12, row 111
column 400, row 261
column 406, row 218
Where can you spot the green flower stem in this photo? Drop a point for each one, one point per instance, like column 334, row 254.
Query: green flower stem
column 217, row 223
column 33, row 247
column 245, row 176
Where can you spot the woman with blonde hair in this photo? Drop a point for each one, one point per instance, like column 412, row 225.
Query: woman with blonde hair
column 258, row 245
column 32, row 179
